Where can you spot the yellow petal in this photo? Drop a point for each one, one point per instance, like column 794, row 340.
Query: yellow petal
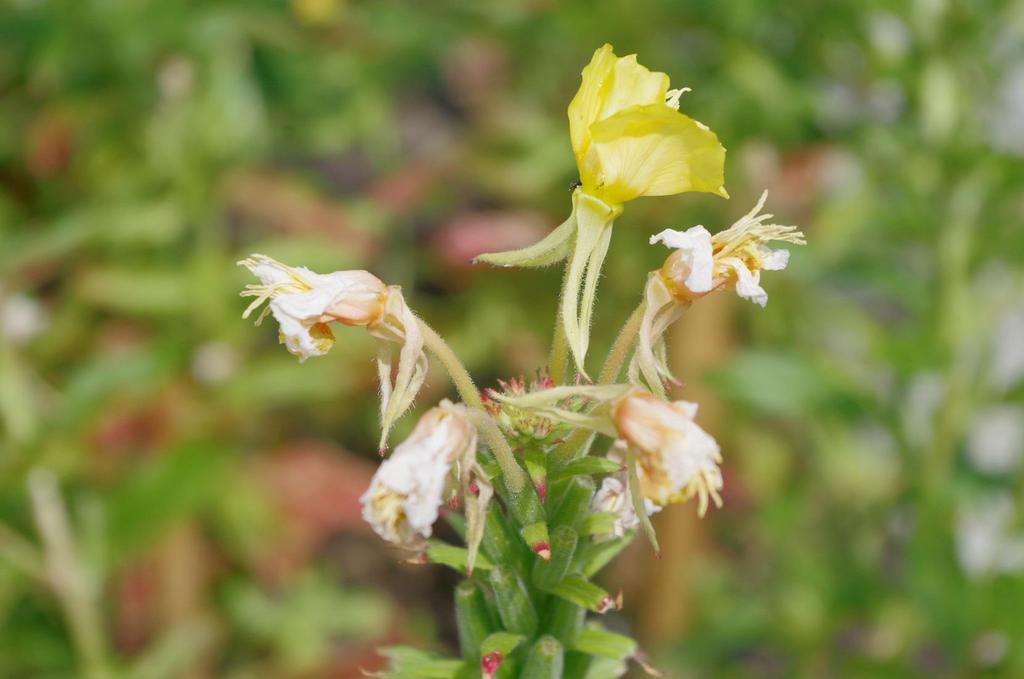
column 586, row 105
column 611, row 84
column 651, row 151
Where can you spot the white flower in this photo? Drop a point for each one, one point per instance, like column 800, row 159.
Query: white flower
column 613, row 497
column 701, row 263
column 733, row 258
column 676, row 459
column 304, row 303
column 402, row 502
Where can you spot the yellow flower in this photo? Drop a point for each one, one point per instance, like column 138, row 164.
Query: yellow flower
column 630, row 139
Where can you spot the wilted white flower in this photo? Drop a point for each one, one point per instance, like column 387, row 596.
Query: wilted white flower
column 731, row 258
column 676, row 459
column 613, row 497
column 701, row 263
column 304, row 303
column 402, row 502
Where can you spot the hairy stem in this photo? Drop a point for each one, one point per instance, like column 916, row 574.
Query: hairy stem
column 515, row 477
column 609, row 373
column 558, row 362
column 620, row 349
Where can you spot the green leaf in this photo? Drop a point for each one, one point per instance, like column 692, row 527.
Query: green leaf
column 536, row 537
column 563, row 546
column 512, row 599
column 501, row 642
column 605, row 668
column 454, row 557
column 411, row 663
column 571, row 500
column 472, row 619
column 563, row 620
column 582, row 592
column 584, row 466
column 598, row 554
column 595, row 640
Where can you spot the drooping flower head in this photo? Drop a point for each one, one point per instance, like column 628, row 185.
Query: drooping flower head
column 630, row 139
column 677, row 460
column 733, row 258
column 701, row 263
column 304, row 303
column 402, row 502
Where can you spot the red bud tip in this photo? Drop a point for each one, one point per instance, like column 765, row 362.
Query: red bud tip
column 453, row 502
column 543, row 550
column 542, row 491
column 607, row 604
column 489, row 664
column 474, row 488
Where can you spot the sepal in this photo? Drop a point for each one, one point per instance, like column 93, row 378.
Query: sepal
column 551, row 249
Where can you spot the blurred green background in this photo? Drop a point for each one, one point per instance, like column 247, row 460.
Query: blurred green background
column 871, row 418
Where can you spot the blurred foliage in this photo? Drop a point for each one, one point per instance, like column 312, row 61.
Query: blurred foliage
column 873, row 429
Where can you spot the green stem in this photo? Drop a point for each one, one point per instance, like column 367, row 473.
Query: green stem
column 609, row 373
column 515, row 477
column 558, row 362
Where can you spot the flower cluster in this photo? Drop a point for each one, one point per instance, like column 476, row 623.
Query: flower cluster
column 553, row 526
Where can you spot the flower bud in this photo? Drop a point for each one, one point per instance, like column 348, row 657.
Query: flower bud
column 402, row 502
column 677, row 459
